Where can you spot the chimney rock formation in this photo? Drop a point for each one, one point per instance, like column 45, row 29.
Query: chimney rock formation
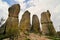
column 35, row 24
column 25, row 22
column 12, row 21
column 47, row 25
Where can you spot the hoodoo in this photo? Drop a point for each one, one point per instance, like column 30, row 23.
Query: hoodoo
column 25, row 22
column 35, row 24
column 12, row 21
column 47, row 24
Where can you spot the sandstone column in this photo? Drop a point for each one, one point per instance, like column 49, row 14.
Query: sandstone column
column 12, row 21
column 25, row 22
column 35, row 24
column 47, row 24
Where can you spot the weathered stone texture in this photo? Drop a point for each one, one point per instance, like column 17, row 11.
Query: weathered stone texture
column 2, row 29
column 25, row 22
column 12, row 21
column 47, row 25
column 35, row 24
column 14, row 10
column 58, row 34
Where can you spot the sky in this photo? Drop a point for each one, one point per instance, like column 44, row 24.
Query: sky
column 34, row 7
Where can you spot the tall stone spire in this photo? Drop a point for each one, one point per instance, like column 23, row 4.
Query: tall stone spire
column 25, row 22
column 12, row 21
column 35, row 24
column 47, row 24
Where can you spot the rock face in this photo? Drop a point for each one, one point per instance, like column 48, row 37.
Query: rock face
column 14, row 10
column 12, row 21
column 35, row 24
column 2, row 29
column 47, row 24
column 25, row 22
column 58, row 34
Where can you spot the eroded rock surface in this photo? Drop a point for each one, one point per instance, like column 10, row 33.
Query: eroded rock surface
column 11, row 25
column 25, row 22
column 14, row 10
column 58, row 34
column 12, row 21
column 35, row 24
column 47, row 24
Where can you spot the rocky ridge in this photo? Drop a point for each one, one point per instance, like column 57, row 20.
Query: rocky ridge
column 13, row 30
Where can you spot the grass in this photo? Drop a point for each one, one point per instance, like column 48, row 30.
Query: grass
column 54, row 38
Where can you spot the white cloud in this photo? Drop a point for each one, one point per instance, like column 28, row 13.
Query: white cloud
column 20, row 0
column 56, row 17
column 38, row 6
column 23, row 5
column 57, row 9
column 43, row 5
column 3, row 9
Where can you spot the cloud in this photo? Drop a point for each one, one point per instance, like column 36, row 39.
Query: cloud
column 3, row 9
column 43, row 5
column 38, row 6
column 20, row 0
column 56, row 17
column 35, row 7
column 10, row 2
column 57, row 9
column 24, row 4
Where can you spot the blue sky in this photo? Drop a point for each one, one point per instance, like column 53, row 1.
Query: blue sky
column 10, row 2
column 26, row 1
column 34, row 7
